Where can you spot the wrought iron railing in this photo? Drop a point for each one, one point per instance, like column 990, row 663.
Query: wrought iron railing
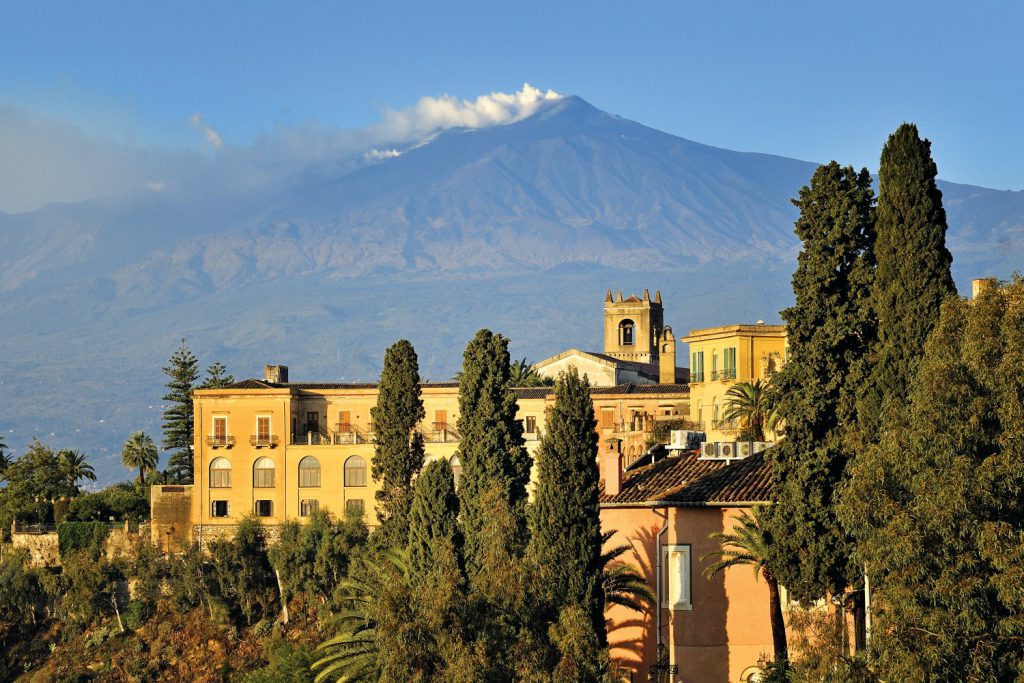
column 220, row 441
column 263, row 440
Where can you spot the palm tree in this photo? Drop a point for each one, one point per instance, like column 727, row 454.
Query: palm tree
column 623, row 584
column 140, row 452
column 751, row 402
column 524, row 374
column 76, row 467
column 5, row 460
column 352, row 655
column 747, row 544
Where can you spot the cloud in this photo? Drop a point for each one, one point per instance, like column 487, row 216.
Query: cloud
column 46, row 160
column 212, row 137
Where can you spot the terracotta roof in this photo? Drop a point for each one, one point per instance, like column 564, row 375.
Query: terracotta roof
column 687, row 480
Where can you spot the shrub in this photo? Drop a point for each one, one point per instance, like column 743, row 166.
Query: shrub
column 72, row 536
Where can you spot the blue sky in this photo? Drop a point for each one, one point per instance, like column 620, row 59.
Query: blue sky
column 810, row 80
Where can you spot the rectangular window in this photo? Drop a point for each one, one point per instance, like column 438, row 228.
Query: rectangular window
column 355, row 506
column 220, row 427
column 729, row 363
column 308, row 507
column 697, row 367
column 531, row 424
column 313, row 422
column 345, row 421
column 218, row 508
column 677, row 571
column 263, row 428
column 607, row 418
column 263, row 508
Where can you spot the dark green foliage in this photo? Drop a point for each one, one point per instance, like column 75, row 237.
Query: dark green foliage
column 139, row 452
column 75, row 467
column 187, row 580
column 89, row 588
column 398, row 455
column 312, row 558
column 287, row 663
column 830, row 331
column 495, row 463
column 565, row 525
column 79, row 536
column 240, row 573
column 434, row 539
column 913, row 273
column 33, row 480
column 178, row 424
column 20, row 593
column 937, row 506
column 217, row 377
column 122, row 501
column 524, row 374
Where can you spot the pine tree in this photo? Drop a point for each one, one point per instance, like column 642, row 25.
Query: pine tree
column 178, row 424
column 565, row 524
column 936, row 505
column 495, row 464
column 913, row 273
column 398, row 451
column 829, row 332
column 217, row 377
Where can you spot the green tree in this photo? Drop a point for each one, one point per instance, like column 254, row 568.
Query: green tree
column 75, row 467
column 179, row 421
column 398, row 452
column 217, row 377
column 491, row 450
column 936, row 504
column 565, row 524
column 33, row 480
column 829, row 332
column 747, row 545
column 139, row 452
column 5, row 459
column 913, row 273
column 751, row 403
column 434, row 539
column 241, row 574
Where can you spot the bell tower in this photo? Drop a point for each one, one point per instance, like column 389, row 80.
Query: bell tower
column 632, row 327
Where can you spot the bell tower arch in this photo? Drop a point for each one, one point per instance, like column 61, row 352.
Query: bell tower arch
column 633, row 326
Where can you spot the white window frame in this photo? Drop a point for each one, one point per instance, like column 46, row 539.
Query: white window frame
column 678, row 584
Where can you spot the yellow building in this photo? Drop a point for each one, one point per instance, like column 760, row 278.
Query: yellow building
column 280, row 450
column 720, row 357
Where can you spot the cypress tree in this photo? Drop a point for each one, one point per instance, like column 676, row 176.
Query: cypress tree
column 433, row 522
column 565, row 524
column 913, row 273
column 179, row 420
column 829, row 333
column 936, row 505
column 398, row 452
column 495, row 464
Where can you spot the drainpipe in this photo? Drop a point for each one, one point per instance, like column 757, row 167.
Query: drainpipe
column 658, row 583
column 200, row 471
column 867, row 611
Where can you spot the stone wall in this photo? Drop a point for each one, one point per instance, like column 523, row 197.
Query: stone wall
column 42, row 548
column 170, row 510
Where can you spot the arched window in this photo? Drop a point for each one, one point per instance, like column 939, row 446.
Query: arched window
column 355, row 471
column 626, row 332
column 309, row 472
column 220, row 473
column 456, row 468
column 714, row 417
column 263, row 473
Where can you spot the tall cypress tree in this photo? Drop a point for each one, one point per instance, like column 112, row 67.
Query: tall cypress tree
column 179, row 418
column 913, row 274
column 495, row 464
column 829, row 333
column 565, row 524
column 398, row 452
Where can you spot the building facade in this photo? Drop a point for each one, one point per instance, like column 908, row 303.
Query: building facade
column 721, row 357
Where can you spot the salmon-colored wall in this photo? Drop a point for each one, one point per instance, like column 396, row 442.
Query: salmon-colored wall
column 725, row 631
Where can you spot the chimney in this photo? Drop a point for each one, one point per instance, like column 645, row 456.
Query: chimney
column 611, row 471
column 979, row 285
column 276, row 374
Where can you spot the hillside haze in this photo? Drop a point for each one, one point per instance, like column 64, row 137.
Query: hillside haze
column 519, row 227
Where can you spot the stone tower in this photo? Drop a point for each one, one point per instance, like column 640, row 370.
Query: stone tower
column 667, row 357
column 633, row 326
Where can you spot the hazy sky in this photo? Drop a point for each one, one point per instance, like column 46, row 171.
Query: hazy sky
column 806, row 80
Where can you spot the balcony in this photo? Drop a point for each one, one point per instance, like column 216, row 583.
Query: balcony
column 263, row 441
column 696, row 376
column 440, row 432
column 726, row 425
column 220, row 441
column 643, row 424
column 726, row 374
column 343, row 435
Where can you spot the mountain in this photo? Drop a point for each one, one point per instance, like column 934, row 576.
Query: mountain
column 520, row 227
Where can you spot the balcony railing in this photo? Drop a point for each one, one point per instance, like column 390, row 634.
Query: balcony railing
column 263, row 441
column 726, row 425
column 220, row 441
column 440, row 432
column 727, row 373
column 346, row 433
column 351, row 435
column 640, row 424
column 696, row 376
